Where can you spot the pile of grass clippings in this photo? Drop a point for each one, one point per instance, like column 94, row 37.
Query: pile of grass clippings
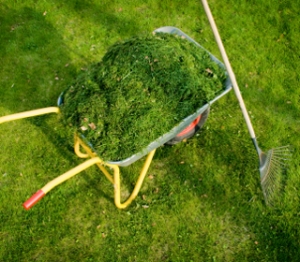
column 141, row 89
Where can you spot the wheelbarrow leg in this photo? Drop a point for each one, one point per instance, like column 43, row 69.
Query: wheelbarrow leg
column 77, row 143
column 115, row 180
column 117, row 185
column 77, row 149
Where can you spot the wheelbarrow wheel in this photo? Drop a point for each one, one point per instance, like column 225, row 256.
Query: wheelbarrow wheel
column 191, row 130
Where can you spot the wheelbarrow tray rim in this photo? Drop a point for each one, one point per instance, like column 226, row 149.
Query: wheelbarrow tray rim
column 182, row 125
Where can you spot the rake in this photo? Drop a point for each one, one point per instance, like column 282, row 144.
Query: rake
column 272, row 162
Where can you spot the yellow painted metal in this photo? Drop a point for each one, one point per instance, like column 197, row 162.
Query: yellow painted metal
column 74, row 171
column 117, row 185
column 116, row 179
column 31, row 113
column 101, row 164
column 94, row 159
column 78, row 143
column 77, row 149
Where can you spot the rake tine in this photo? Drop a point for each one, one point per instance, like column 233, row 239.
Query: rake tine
column 271, row 169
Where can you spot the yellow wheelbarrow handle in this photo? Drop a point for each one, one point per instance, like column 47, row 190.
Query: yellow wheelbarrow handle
column 31, row 113
column 55, row 182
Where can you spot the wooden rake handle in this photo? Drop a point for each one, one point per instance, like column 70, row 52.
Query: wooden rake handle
column 228, row 68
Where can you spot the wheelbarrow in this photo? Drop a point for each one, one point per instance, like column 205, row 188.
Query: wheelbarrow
column 84, row 149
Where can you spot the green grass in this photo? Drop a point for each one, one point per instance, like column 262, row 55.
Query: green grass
column 201, row 200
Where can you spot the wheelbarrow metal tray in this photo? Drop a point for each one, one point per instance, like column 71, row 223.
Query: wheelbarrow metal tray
column 182, row 125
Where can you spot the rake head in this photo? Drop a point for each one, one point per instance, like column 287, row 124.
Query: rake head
column 271, row 166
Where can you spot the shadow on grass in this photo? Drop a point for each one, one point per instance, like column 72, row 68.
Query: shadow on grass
column 36, row 74
column 213, row 165
column 105, row 15
column 34, row 58
column 223, row 173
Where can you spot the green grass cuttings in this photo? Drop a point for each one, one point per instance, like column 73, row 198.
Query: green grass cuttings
column 140, row 90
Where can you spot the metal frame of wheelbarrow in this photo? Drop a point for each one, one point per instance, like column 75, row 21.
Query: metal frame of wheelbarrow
column 89, row 152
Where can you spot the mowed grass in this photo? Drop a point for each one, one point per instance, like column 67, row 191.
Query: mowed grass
column 201, row 200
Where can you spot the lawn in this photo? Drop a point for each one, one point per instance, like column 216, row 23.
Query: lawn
column 201, row 200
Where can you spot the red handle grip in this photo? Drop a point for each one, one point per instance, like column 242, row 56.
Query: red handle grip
column 34, row 199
